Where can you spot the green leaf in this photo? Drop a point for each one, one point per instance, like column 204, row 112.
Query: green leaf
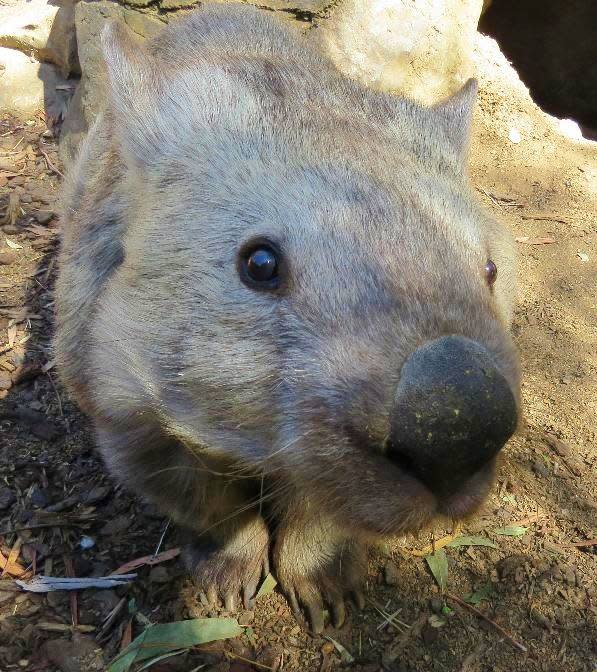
column 472, row 541
column 484, row 593
column 446, row 610
column 269, row 583
column 511, row 531
column 438, row 564
column 157, row 640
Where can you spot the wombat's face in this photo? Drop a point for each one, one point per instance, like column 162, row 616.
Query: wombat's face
column 328, row 304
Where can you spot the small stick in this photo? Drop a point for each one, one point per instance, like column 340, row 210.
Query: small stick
column 480, row 614
column 251, row 662
column 580, row 544
column 547, row 218
column 51, row 166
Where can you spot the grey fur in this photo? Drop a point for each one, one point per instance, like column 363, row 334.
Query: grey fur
column 210, row 398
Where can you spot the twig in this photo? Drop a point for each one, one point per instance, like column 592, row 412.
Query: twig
column 51, row 166
column 548, row 218
column 251, row 662
column 53, row 384
column 161, row 541
column 480, row 614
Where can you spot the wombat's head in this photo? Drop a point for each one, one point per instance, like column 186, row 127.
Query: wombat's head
column 321, row 297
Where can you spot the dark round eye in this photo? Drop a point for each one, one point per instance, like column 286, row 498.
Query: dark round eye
column 490, row 272
column 261, row 266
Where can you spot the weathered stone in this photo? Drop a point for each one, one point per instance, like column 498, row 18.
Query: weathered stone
column 27, row 86
column 171, row 5
column 144, row 25
column 41, row 29
column 90, row 18
column 421, row 48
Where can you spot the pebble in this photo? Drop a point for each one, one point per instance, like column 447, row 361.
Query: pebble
column 436, row 605
column 11, row 230
column 7, row 258
column 5, row 380
column 82, row 654
column 159, row 574
column 391, row 573
column 7, row 497
column 17, row 181
column 540, row 468
column 43, row 217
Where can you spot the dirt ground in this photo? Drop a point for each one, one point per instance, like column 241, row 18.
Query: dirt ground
column 62, row 515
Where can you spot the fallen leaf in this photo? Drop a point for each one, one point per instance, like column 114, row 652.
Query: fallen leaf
column 583, row 256
column 47, row 584
column 146, row 560
column 436, row 621
column 484, row 593
column 156, row 640
column 13, row 245
column 269, row 583
column 511, row 531
column 438, row 564
column 345, row 655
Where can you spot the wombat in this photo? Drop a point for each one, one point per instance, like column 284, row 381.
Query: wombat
column 281, row 305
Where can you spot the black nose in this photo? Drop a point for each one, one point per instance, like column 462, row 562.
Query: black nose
column 453, row 412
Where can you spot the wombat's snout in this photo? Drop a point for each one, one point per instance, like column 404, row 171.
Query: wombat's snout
column 453, row 412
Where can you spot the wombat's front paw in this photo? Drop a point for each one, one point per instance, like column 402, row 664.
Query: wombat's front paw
column 233, row 568
column 316, row 577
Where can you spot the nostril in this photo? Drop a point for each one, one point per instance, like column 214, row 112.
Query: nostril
column 398, row 457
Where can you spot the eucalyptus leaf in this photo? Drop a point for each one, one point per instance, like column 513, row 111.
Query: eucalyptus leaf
column 438, row 564
column 268, row 585
column 511, row 531
column 157, row 640
column 484, row 593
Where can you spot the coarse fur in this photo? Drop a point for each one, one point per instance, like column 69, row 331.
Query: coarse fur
column 256, row 420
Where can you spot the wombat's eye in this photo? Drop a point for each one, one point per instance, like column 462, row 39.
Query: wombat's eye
column 260, row 266
column 490, row 272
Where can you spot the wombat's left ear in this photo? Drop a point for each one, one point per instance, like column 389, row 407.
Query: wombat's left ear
column 456, row 115
column 134, row 85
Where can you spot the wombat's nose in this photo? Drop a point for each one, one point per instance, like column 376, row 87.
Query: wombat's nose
column 453, row 412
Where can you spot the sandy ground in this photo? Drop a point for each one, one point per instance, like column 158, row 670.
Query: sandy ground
column 539, row 587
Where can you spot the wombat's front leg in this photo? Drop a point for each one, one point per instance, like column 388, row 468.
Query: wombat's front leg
column 317, row 564
column 216, row 504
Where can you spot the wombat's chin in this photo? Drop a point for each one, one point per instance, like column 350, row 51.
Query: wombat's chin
column 418, row 509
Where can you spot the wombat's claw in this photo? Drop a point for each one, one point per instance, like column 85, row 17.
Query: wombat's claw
column 306, row 600
column 231, row 573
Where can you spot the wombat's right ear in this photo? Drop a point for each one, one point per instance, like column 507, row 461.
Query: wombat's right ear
column 133, row 83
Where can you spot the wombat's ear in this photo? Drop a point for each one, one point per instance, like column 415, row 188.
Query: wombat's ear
column 133, row 83
column 456, row 115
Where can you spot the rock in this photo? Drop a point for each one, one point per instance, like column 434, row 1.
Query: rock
column 7, row 498
column 391, row 573
column 540, row 468
column 27, row 86
column 117, row 525
column 82, row 654
column 419, row 48
column 43, row 217
column 41, row 29
column 90, row 18
column 5, row 379
column 159, row 574
column 436, row 605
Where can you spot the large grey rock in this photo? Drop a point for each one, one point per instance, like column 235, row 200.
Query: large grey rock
column 90, row 18
column 27, row 86
column 42, row 29
column 419, row 48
